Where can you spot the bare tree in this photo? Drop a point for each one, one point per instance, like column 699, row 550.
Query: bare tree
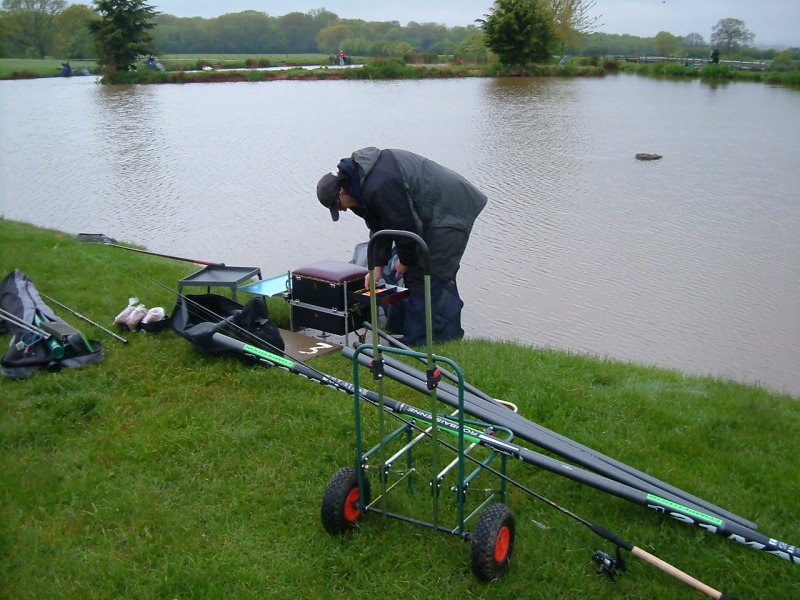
column 730, row 34
column 572, row 18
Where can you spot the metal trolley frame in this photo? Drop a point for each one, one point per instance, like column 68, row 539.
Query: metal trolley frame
column 395, row 457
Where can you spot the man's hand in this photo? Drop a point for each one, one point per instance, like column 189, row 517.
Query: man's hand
column 378, row 274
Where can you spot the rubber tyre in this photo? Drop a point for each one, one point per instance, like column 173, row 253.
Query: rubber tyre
column 341, row 504
column 493, row 542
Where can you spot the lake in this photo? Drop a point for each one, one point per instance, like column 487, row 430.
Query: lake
column 691, row 262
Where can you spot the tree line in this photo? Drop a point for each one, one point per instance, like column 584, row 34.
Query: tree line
column 252, row 32
column 43, row 28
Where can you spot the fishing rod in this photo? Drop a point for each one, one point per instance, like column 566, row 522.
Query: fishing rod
column 99, row 238
column 608, row 564
column 33, row 335
column 191, row 260
column 614, row 467
column 566, row 447
column 12, row 318
column 627, row 490
column 443, row 423
column 468, row 387
column 88, row 320
column 549, row 440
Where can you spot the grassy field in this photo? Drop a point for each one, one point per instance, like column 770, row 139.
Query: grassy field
column 164, row 473
column 11, row 68
column 16, row 67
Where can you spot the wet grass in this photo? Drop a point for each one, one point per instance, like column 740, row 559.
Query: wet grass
column 164, row 473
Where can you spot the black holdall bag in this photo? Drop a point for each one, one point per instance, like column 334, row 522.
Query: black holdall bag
column 197, row 317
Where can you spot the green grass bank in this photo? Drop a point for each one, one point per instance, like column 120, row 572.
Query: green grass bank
column 212, row 68
column 164, row 473
column 226, row 68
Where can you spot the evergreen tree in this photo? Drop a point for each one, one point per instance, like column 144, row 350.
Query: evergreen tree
column 519, row 32
column 121, row 33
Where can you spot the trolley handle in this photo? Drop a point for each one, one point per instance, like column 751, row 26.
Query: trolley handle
column 425, row 262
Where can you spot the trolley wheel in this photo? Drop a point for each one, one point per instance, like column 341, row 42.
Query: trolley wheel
column 342, row 504
column 492, row 542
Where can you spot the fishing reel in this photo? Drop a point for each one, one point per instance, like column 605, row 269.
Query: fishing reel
column 607, row 564
column 64, row 341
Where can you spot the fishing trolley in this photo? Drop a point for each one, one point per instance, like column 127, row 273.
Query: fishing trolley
column 408, row 452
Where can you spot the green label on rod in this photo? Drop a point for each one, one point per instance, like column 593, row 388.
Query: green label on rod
column 685, row 510
column 268, row 355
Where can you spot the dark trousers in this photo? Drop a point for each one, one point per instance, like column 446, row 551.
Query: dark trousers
column 408, row 317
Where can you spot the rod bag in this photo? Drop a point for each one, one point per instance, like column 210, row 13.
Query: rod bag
column 30, row 351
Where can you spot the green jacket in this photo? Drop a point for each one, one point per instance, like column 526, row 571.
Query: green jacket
column 397, row 189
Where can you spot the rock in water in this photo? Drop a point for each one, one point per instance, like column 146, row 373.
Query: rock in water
column 646, row 156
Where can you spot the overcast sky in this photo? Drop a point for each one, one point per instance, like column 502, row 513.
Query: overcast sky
column 772, row 21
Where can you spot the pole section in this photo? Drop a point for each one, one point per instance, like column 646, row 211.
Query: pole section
column 88, row 320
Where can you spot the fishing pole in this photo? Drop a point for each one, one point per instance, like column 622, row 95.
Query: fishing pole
column 549, row 440
column 12, row 318
column 58, row 334
column 608, row 564
column 614, row 467
column 191, row 260
column 105, row 240
column 88, row 320
column 33, row 333
column 470, row 388
column 471, row 434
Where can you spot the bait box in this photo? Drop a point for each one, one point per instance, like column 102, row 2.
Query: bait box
column 328, row 296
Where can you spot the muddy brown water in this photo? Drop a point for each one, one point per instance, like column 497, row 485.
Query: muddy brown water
column 690, row 262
